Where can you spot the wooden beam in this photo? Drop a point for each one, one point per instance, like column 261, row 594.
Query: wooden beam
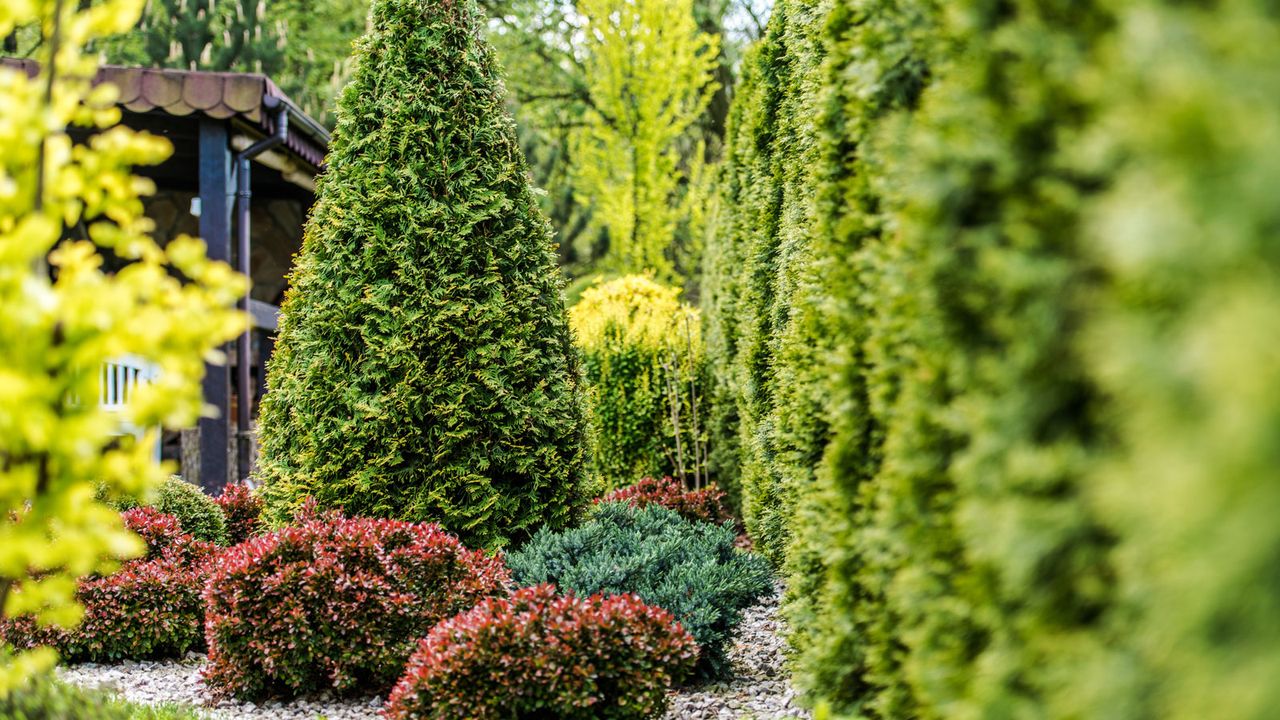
column 265, row 316
column 215, row 229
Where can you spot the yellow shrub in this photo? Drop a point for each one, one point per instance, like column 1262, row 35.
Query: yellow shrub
column 642, row 355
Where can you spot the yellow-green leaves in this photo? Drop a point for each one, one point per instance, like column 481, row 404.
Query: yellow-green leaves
column 64, row 317
column 643, row 358
column 649, row 78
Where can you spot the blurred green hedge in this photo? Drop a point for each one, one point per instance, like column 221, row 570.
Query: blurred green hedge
column 1009, row 405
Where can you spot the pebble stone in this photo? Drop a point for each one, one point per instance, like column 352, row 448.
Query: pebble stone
column 758, row 690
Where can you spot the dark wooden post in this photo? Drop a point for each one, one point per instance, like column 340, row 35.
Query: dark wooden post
column 215, row 229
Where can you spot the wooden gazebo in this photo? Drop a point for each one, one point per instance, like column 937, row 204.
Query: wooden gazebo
column 242, row 177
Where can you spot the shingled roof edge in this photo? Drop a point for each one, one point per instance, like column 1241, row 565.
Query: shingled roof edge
column 173, row 91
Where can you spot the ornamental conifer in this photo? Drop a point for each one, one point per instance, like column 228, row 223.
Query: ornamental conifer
column 424, row 369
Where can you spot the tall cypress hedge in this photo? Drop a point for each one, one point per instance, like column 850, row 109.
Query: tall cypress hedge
column 1185, row 340
column 758, row 255
column 878, row 63
column 424, row 368
column 1045, row 263
column 992, row 565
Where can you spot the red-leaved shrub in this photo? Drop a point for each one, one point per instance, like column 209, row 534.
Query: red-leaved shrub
column 706, row 505
column 150, row 608
column 164, row 537
column 539, row 654
column 243, row 511
column 335, row 603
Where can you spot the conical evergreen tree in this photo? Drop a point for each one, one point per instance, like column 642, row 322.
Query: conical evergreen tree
column 424, row 368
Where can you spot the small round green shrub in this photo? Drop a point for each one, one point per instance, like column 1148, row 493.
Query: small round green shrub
column 691, row 569
column 197, row 513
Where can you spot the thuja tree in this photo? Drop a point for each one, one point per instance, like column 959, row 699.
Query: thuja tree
column 1185, row 339
column 642, row 359
column 975, row 566
column 425, row 369
column 62, row 203
column 721, row 280
column 756, row 257
column 877, row 64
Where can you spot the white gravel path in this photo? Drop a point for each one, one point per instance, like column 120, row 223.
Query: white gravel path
column 759, row 689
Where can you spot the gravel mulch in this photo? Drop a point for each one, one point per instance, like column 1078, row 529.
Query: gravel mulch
column 759, row 689
column 179, row 682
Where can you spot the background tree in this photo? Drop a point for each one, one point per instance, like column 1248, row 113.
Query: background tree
column 201, row 35
column 64, row 318
column 648, row 75
column 425, row 368
column 303, row 45
column 540, row 44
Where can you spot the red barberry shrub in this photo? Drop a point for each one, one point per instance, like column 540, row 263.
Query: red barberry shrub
column 539, row 654
column 335, row 604
column 164, row 537
column 706, row 505
column 149, row 609
column 243, row 511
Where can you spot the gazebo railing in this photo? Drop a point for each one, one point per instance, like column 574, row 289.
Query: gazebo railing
column 119, row 379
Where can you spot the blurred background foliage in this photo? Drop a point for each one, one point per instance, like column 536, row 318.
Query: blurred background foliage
column 589, row 96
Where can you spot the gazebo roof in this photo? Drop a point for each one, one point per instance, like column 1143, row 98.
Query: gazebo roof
column 249, row 97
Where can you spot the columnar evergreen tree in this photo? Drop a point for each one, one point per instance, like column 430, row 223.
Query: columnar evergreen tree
column 722, row 281
column 425, row 369
column 757, row 257
column 877, row 66
column 1045, row 250
column 1185, row 340
column 642, row 360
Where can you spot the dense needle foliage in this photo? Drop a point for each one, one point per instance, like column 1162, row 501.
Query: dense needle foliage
column 642, row 358
column 1024, row 325
column 425, row 369
column 690, row 568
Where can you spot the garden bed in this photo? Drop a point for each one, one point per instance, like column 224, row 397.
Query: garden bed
column 758, row 687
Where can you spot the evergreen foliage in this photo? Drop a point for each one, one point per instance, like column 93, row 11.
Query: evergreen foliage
column 975, row 545
column 690, row 568
column 1184, row 342
column 1041, row 304
column 425, row 369
column 759, row 271
column 641, row 355
column 877, row 66
column 198, row 514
